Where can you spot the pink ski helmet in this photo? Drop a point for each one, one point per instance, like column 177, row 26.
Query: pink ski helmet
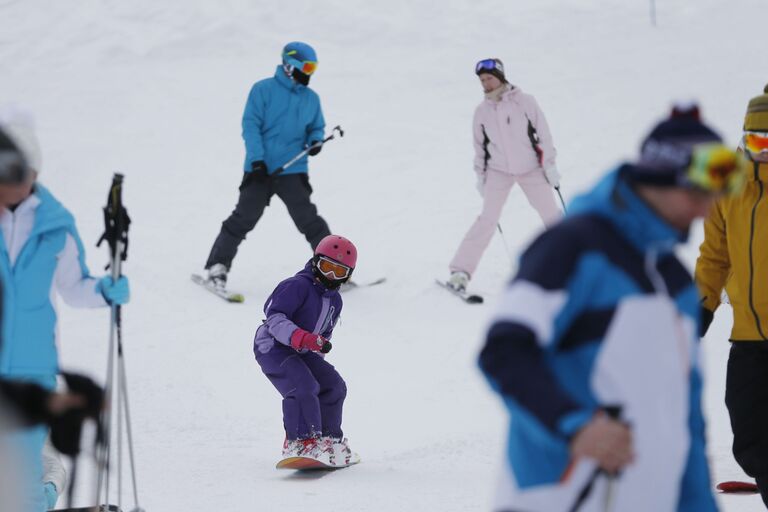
column 338, row 249
column 334, row 260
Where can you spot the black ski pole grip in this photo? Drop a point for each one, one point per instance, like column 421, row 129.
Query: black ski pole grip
column 326, row 347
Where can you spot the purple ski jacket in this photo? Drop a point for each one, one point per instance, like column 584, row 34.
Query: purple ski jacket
column 298, row 302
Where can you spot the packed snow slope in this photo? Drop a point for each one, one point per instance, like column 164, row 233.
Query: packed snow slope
column 155, row 90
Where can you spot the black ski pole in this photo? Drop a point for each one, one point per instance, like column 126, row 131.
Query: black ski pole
column 557, row 189
column 613, row 412
column 282, row 168
column 116, row 221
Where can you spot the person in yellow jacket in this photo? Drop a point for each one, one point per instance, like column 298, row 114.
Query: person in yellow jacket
column 734, row 255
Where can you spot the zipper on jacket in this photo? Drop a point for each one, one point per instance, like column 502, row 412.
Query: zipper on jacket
column 751, row 259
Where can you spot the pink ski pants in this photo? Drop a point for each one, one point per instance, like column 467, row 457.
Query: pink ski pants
column 497, row 186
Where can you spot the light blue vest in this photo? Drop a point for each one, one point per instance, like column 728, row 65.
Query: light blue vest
column 28, row 347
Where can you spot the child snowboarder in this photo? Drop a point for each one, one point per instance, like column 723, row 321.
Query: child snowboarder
column 290, row 346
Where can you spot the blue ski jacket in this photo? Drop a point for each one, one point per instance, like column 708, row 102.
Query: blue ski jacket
column 281, row 118
column 601, row 313
column 28, row 344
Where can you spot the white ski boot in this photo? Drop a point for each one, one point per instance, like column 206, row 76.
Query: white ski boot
column 217, row 275
column 458, row 281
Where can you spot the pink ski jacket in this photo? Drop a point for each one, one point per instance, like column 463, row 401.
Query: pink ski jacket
column 501, row 134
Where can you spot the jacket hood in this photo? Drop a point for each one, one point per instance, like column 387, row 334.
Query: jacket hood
column 614, row 199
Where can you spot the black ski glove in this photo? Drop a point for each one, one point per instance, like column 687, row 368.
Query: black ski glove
column 259, row 167
column 66, row 429
column 29, row 401
column 315, row 149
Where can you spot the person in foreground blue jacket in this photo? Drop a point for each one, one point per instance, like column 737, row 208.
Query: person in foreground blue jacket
column 594, row 348
column 282, row 118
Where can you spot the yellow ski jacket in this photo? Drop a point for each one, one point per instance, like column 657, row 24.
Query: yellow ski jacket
column 734, row 255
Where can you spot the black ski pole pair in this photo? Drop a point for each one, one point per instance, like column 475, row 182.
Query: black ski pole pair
column 116, row 223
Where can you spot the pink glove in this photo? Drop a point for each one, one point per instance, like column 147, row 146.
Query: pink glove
column 314, row 342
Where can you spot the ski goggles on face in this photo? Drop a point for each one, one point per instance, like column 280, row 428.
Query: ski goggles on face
column 717, row 169
column 488, row 65
column 332, row 269
column 307, row 66
column 755, row 142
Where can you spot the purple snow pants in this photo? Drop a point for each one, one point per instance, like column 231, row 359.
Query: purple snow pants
column 313, row 391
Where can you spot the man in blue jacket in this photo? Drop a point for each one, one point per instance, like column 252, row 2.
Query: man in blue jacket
column 282, row 118
column 594, row 348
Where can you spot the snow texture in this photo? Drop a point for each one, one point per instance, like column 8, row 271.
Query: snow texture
column 155, row 90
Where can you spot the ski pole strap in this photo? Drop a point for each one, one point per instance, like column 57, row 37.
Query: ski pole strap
column 116, row 221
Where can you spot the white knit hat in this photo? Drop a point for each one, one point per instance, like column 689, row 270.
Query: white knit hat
column 19, row 124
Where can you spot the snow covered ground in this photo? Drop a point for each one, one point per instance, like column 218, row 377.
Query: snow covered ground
column 155, row 90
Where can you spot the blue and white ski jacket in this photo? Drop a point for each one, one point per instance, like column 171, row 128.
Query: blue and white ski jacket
column 281, row 118
column 601, row 313
column 40, row 251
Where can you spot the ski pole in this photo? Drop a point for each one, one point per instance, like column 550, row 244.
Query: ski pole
column 282, row 168
column 557, row 189
column 503, row 239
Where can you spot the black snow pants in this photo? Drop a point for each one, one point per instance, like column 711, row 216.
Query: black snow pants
column 746, row 396
column 255, row 194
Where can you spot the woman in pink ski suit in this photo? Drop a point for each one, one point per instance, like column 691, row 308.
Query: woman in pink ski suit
column 512, row 145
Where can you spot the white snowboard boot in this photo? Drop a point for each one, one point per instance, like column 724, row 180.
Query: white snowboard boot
column 343, row 454
column 317, row 448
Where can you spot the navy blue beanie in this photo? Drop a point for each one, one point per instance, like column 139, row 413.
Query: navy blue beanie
column 667, row 151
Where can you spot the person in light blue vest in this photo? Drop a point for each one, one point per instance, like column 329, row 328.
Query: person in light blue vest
column 282, row 118
column 40, row 251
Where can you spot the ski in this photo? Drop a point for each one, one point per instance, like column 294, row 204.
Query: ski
column 308, row 463
column 224, row 294
column 352, row 285
column 463, row 295
column 734, row 487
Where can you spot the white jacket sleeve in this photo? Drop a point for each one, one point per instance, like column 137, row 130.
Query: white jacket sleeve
column 545, row 136
column 74, row 284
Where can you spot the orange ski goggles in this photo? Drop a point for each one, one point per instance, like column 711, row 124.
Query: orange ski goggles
column 755, row 142
column 306, row 66
column 332, row 269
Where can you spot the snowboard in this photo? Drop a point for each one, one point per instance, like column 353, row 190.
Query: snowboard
column 224, row 294
column 308, row 463
column 469, row 298
column 734, row 487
